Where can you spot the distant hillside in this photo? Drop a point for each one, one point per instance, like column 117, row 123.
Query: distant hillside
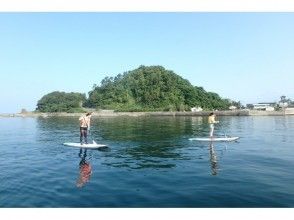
column 152, row 88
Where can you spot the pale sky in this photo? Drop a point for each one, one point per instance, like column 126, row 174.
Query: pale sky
column 245, row 57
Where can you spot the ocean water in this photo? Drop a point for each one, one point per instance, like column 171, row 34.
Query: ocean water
column 149, row 162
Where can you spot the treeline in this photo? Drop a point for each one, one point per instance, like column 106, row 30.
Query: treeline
column 147, row 88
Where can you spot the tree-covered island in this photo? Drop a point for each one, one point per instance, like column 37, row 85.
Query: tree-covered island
column 147, row 88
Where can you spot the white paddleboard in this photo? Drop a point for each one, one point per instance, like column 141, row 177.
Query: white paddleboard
column 93, row 145
column 214, row 139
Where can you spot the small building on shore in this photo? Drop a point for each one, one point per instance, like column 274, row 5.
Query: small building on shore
column 264, row 106
column 232, row 107
column 196, row 109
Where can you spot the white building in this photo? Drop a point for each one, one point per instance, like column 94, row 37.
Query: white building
column 232, row 107
column 196, row 109
column 264, row 106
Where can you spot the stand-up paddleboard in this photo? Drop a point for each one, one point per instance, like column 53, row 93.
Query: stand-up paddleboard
column 214, row 139
column 94, row 145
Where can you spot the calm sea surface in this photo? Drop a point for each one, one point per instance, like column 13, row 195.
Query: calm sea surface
column 149, row 162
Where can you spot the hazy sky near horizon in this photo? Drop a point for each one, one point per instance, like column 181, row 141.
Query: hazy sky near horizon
column 246, row 57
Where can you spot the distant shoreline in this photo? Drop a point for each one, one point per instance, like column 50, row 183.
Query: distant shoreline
column 137, row 114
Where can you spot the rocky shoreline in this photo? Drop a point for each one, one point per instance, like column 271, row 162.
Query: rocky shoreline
column 138, row 114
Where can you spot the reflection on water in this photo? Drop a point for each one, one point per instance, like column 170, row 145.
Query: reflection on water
column 139, row 129
column 85, row 169
column 213, row 159
column 282, row 123
column 148, row 155
column 197, row 125
column 142, row 143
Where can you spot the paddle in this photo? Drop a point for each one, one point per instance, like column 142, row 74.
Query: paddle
column 90, row 135
column 222, row 130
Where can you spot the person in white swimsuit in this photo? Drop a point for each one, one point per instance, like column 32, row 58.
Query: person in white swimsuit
column 211, row 122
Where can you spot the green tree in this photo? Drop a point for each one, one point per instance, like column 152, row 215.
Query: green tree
column 237, row 104
column 61, row 102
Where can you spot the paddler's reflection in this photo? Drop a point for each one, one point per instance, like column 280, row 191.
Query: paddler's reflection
column 213, row 159
column 85, row 169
